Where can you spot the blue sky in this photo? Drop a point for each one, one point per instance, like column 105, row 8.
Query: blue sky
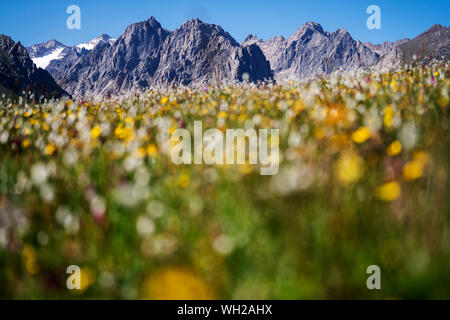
column 33, row 21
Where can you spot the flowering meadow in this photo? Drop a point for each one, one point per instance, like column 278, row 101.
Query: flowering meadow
column 363, row 180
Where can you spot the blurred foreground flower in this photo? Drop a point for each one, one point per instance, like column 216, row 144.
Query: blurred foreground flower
column 349, row 167
column 388, row 192
column 176, row 284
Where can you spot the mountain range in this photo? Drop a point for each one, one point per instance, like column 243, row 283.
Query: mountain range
column 197, row 53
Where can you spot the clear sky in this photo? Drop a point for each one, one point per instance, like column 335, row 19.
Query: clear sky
column 34, row 21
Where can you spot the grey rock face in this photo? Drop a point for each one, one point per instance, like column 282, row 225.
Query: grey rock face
column 130, row 62
column 198, row 53
column 272, row 48
column 147, row 55
column 391, row 60
column 385, row 47
column 18, row 73
column 311, row 52
column 59, row 67
column 432, row 44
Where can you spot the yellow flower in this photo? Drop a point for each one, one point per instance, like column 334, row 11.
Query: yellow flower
column 222, row 114
column 319, row 133
column 87, row 278
column 152, row 151
column 26, row 143
column 412, row 170
column 29, row 258
column 129, row 120
column 49, row 149
column 176, row 284
column 395, row 148
column 183, row 180
column 164, row 100
column 388, row 116
column 242, row 117
column 422, row 157
column 388, row 192
column 95, row 132
column 245, row 169
column 361, row 135
column 140, row 152
column 126, row 134
column 349, row 168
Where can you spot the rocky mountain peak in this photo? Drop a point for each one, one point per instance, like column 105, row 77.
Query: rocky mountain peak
column 44, row 48
column 143, row 27
column 250, row 37
column 104, row 37
column 53, row 44
column 152, row 21
column 342, row 32
column 307, row 32
column 435, row 28
column 312, row 26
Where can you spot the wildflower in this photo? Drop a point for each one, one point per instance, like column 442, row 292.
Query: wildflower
column 222, row 114
column 26, row 143
column 361, row 135
column 176, row 284
column 39, row 173
column 223, row 245
column 349, row 168
column 245, row 169
column 388, row 192
column 412, row 170
column 183, row 181
column 95, row 132
column 129, row 120
column 49, row 149
column 394, row 148
column 319, row 133
column 388, row 116
column 152, row 151
column 126, row 134
column 145, row 226
column 87, row 278
column 29, row 257
column 140, row 152
column 164, row 100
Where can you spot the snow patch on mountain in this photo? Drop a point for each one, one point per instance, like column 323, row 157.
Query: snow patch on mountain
column 43, row 62
column 90, row 45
